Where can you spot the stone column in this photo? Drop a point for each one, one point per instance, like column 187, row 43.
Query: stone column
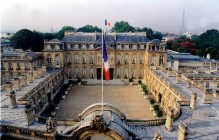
column 169, row 120
column 13, row 103
column 178, row 78
column 28, row 116
column 51, row 131
column 29, row 77
column 207, row 97
column 35, row 74
column 23, row 80
column 193, row 101
column 182, row 131
column 16, row 84
column 8, row 87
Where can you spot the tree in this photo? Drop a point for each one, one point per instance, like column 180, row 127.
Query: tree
column 26, row 39
column 89, row 28
column 208, row 42
column 60, row 34
column 122, row 26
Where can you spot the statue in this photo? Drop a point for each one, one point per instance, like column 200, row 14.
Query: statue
column 49, row 125
column 98, row 124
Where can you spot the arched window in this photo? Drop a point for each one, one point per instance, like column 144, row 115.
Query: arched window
column 10, row 67
column 140, row 73
column 68, row 59
column 11, row 77
column 126, row 73
column 57, row 60
column 76, row 72
column 141, row 59
column 152, row 60
column 207, row 85
column 118, row 59
column 84, row 59
column 91, row 58
column 48, row 47
column 133, row 73
column 160, row 60
column 133, row 59
column 84, row 72
column 69, row 73
column 91, row 73
column 126, row 59
column 118, row 73
column 57, row 47
column 87, row 46
column 76, row 58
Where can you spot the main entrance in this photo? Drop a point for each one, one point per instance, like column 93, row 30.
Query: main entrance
column 99, row 73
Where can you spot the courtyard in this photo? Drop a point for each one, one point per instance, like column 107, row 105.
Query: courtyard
column 128, row 99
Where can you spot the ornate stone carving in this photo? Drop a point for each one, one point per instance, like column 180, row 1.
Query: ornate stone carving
column 98, row 124
column 158, row 136
column 49, row 125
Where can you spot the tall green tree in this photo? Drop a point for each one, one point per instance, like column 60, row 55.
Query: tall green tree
column 89, row 28
column 60, row 34
column 26, row 39
column 122, row 26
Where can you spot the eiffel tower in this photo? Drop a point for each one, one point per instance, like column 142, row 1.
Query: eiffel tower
column 183, row 28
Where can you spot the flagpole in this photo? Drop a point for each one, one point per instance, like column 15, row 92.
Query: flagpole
column 102, row 72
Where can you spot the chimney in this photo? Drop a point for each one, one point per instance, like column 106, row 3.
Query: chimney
column 95, row 35
column 114, row 35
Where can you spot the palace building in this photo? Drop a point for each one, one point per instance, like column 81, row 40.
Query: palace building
column 40, row 89
column 16, row 63
column 81, row 54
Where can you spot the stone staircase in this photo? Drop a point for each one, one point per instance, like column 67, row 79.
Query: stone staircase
column 132, row 130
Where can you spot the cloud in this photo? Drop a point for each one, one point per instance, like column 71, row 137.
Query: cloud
column 161, row 15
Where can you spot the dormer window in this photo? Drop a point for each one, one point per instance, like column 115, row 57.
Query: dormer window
column 57, row 47
column 48, row 47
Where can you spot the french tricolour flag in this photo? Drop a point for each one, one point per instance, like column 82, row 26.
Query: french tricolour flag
column 105, row 60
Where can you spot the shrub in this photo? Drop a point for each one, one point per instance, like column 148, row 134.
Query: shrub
column 139, row 82
column 130, row 80
column 79, row 80
column 152, row 101
column 159, row 113
column 145, row 90
column 156, row 107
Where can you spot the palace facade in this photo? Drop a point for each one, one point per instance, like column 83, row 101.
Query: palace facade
column 81, row 54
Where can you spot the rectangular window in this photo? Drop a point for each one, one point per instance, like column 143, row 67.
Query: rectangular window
column 49, row 61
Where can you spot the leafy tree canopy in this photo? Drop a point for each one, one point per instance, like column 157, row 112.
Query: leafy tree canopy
column 122, row 26
column 26, row 39
column 89, row 28
column 60, row 34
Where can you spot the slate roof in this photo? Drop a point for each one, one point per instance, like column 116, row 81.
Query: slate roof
column 55, row 40
column 120, row 38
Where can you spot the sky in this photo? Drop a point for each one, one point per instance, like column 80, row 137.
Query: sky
column 160, row 15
